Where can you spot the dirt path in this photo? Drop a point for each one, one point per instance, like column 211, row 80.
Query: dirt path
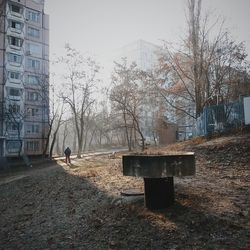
column 81, row 207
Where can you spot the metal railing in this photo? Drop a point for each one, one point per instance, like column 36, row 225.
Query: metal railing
column 220, row 118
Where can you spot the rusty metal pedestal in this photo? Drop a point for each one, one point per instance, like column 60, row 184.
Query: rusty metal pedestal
column 159, row 192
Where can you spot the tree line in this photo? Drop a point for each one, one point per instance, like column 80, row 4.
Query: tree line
column 207, row 67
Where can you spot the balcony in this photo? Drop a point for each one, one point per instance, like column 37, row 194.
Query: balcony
column 19, row 16
column 9, row 84
column 14, row 60
column 14, row 64
column 15, row 11
column 15, row 32
column 13, row 134
column 14, row 98
column 14, row 67
column 15, row 43
column 14, row 47
column 14, row 81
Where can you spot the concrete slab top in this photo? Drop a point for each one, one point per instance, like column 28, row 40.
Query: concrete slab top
column 159, row 166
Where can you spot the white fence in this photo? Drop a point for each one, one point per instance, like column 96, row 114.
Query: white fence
column 246, row 102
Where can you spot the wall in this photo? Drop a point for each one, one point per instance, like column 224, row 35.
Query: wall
column 246, row 102
column 167, row 133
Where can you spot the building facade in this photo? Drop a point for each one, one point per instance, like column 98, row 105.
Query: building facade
column 145, row 55
column 24, row 77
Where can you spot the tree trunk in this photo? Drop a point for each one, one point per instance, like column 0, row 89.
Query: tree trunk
column 91, row 137
column 65, row 133
column 74, row 142
column 58, row 149
column 85, row 138
column 126, row 131
column 19, row 138
column 54, row 135
column 80, row 145
column 52, row 144
column 47, row 141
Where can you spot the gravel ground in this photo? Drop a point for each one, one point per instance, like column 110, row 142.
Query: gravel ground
column 80, row 207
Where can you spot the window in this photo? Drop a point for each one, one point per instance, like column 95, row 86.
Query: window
column 32, row 145
column 34, row 49
column 34, row 64
column 33, row 79
column 33, row 16
column 13, row 146
column 14, row 58
column 33, row 128
column 16, row 9
column 15, row 75
column 14, row 92
column 16, row 25
column 33, row 32
column 32, row 96
column 15, row 41
column 14, row 108
column 32, row 111
column 13, row 127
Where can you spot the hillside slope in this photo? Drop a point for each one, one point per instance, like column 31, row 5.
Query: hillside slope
column 81, row 207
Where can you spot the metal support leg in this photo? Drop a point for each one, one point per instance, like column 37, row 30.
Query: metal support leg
column 159, row 192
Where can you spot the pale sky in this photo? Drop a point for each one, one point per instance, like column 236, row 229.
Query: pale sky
column 103, row 26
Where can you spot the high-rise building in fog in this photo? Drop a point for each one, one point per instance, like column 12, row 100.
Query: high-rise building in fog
column 24, row 77
column 143, row 53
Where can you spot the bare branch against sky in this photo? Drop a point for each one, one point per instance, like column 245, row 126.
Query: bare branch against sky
column 102, row 26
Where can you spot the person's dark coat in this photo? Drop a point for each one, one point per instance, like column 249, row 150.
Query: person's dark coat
column 67, row 151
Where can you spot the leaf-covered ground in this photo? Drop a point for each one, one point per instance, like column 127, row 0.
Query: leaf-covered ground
column 80, row 207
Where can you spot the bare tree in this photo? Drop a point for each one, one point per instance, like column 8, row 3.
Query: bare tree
column 127, row 96
column 197, row 72
column 103, row 122
column 80, row 81
column 47, row 93
column 65, row 135
column 38, row 81
column 58, row 121
column 14, row 118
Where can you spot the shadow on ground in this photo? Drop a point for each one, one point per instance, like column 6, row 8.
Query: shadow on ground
column 55, row 208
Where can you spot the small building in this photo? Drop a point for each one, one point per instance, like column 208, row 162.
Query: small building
column 167, row 132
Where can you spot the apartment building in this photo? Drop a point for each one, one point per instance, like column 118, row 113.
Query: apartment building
column 145, row 55
column 24, row 77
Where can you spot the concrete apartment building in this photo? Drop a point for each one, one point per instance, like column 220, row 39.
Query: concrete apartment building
column 158, row 122
column 24, row 77
column 145, row 55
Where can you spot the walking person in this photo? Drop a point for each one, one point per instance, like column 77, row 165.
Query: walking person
column 67, row 153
